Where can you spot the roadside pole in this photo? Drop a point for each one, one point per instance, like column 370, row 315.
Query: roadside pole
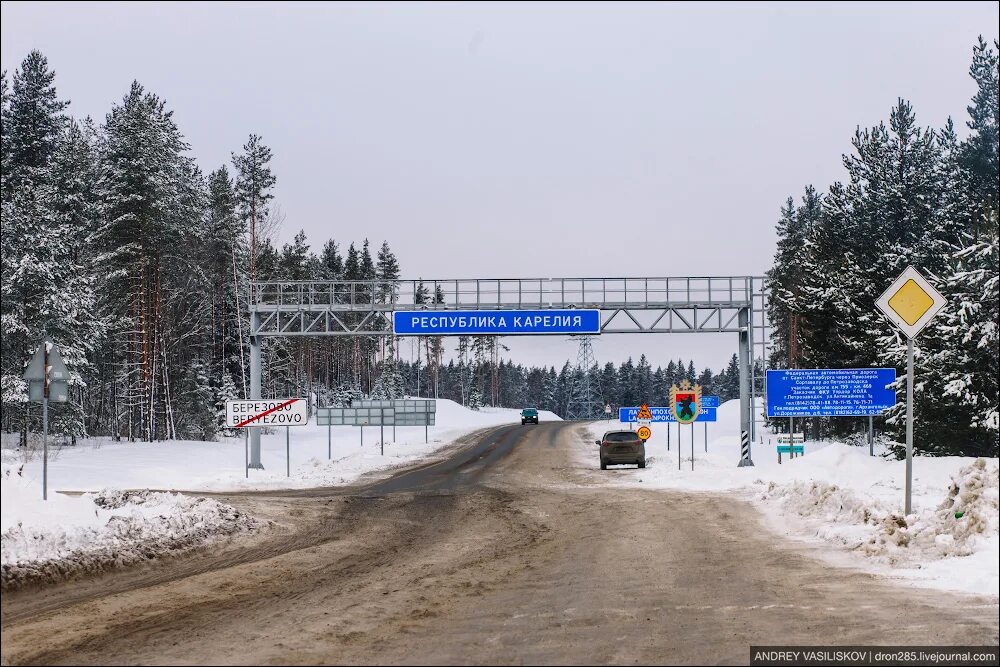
column 692, row 446
column 668, row 437
column 45, row 437
column 362, row 435
column 253, row 414
column 910, row 303
column 425, row 434
column 48, row 380
column 329, row 442
column 706, row 437
column 909, row 425
column 871, row 436
column 679, row 445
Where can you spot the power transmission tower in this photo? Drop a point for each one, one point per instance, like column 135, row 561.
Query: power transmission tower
column 584, row 400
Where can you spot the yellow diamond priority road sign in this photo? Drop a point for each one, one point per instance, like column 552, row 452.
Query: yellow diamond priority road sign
column 910, row 302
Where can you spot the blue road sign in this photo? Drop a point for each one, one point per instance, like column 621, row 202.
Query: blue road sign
column 497, row 322
column 664, row 414
column 709, row 401
column 830, row 392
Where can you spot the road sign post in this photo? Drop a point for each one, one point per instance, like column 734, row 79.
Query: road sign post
column 871, row 436
column 257, row 413
column 48, row 380
column 910, row 303
column 679, row 447
column 288, row 454
column 45, row 444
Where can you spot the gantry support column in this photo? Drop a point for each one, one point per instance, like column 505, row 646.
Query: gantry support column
column 255, row 382
column 745, row 408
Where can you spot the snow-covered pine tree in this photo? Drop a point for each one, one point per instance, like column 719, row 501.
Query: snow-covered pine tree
column 48, row 205
column 786, row 275
column 979, row 152
column 72, row 320
column 152, row 199
column 254, row 184
column 227, row 391
column 731, row 386
column 330, row 262
column 226, row 258
column 33, row 123
column 475, row 398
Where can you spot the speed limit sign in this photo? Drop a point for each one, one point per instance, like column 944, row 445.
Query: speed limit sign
column 644, row 433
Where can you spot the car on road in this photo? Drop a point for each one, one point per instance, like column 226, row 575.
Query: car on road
column 529, row 416
column 622, row 447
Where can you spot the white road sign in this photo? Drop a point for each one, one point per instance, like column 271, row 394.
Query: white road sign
column 267, row 412
column 910, row 302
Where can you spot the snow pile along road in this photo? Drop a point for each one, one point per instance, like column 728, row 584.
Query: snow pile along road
column 65, row 537
column 961, row 525
column 837, row 494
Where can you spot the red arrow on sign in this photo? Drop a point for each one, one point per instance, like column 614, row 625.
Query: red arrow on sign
column 266, row 412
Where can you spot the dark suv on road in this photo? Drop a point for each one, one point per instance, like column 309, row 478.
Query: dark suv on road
column 622, row 447
column 529, row 416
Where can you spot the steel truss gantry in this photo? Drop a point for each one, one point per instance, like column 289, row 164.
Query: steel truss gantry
column 628, row 305
column 703, row 304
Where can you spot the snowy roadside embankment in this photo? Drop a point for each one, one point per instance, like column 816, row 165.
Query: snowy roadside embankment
column 319, row 456
column 839, row 495
column 65, row 537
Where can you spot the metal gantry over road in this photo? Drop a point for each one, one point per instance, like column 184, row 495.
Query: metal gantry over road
column 727, row 304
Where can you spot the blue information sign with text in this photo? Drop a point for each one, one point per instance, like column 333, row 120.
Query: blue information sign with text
column 664, row 414
column 830, row 392
column 496, row 322
column 709, row 401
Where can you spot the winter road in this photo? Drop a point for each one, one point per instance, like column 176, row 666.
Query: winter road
column 506, row 552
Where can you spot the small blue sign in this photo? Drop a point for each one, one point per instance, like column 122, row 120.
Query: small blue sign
column 830, row 392
column 664, row 414
column 496, row 322
column 709, row 401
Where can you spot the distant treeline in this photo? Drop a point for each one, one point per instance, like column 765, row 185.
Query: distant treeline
column 630, row 383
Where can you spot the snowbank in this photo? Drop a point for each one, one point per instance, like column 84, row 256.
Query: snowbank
column 839, row 494
column 64, row 537
column 189, row 465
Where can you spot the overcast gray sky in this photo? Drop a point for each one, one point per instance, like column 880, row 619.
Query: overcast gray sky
column 536, row 140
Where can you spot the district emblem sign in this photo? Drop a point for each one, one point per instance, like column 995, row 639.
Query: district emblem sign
column 685, row 401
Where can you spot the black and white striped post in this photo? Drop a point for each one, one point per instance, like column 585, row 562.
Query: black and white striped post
column 744, row 363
